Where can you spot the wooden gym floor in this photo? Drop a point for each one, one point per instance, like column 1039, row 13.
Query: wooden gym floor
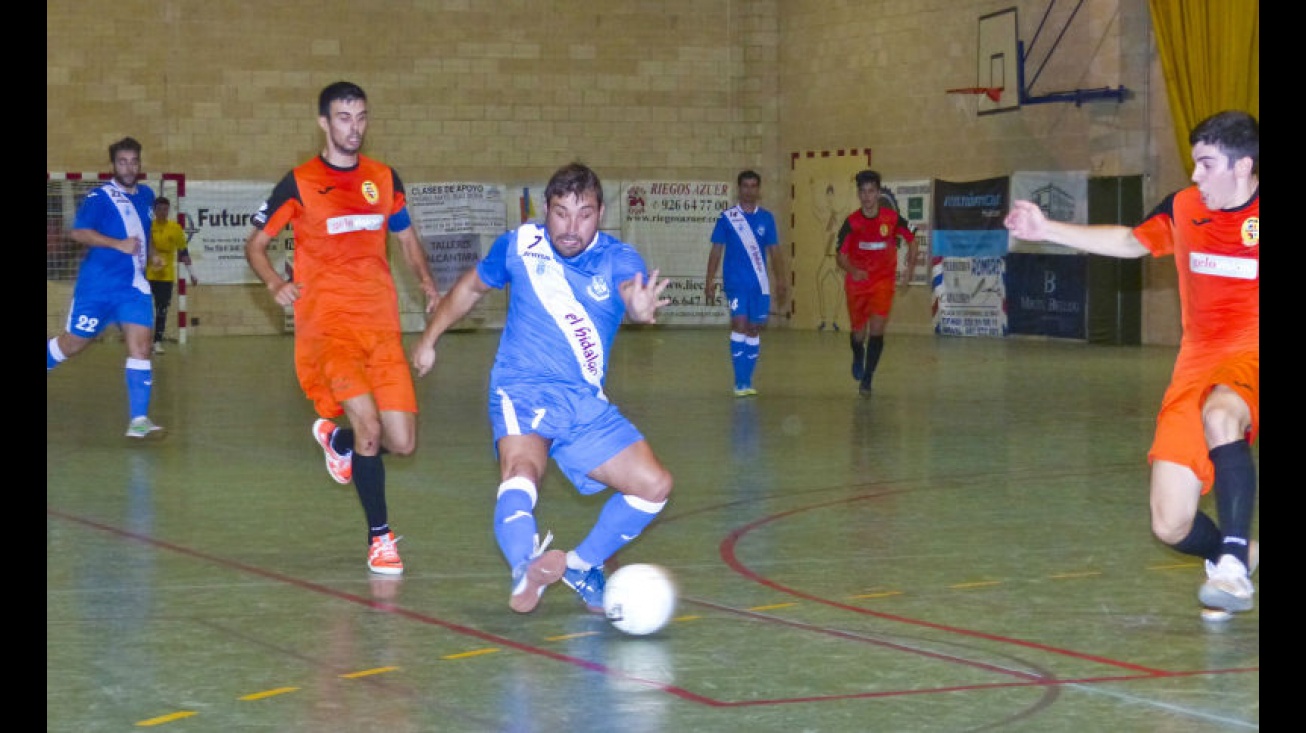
column 967, row 550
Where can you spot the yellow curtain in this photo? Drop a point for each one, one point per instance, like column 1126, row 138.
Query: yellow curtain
column 1210, row 55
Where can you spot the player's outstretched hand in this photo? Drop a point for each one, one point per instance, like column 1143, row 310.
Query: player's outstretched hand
column 644, row 298
column 1026, row 220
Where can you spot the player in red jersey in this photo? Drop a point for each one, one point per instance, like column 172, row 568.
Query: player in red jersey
column 868, row 254
column 1210, row 414
column 349, row 356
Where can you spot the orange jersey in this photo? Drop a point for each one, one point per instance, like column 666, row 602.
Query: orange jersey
column 871, row 244
column 340, row 219
column 1218, row 256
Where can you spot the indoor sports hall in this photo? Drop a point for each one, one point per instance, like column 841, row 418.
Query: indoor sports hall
column 966, row 548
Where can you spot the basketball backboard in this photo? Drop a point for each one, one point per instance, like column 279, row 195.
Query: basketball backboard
column 997, row 60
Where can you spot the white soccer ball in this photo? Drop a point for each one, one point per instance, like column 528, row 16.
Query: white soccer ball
column 639, row 599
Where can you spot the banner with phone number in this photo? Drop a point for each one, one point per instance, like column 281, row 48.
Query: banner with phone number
column 670, row 223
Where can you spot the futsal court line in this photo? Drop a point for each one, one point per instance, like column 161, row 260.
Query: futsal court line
column 1026, row 679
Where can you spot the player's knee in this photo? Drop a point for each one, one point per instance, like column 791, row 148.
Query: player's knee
column 367, row 438
column 400, row 442
column 401, row 447
column 1225, row 417
column 658, row 486
column 1170, row 530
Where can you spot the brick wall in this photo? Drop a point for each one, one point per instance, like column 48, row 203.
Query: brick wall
column 510, row 89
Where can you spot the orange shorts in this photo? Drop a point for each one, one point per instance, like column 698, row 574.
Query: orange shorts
column 1180, row 437
column 865, row 301
column 342, row 365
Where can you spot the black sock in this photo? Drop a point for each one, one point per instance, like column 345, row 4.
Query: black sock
column 859, row 350
column 342, row 441
column 874, row 347
column 1203, row 539
column 369, row 481
column 1235, row 495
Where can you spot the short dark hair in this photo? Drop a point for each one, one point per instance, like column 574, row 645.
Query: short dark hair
column 748, row 176
column 341, row 91
column 1234, row 132
column 162, row 200
column 127, row 143
column 573, row 178
column 868, row 176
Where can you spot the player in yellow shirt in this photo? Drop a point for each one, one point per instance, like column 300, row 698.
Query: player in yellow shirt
column 169, row 245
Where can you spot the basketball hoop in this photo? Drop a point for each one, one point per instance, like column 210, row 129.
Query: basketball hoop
column 967, row 109
column 993, row 93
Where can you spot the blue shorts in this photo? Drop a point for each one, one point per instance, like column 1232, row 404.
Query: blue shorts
column 88, row 317
column 750, row 304
column 586, row 430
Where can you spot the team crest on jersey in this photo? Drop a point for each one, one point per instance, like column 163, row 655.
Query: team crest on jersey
column 598, row 289
column 370, row 192
column 884, row 229
column 1251, row 231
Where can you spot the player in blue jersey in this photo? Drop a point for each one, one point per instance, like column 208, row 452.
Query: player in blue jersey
column 569, row 286
column 744, row 241
column 113, row 223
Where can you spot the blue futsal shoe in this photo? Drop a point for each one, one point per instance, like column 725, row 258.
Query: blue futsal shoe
column 588, row 584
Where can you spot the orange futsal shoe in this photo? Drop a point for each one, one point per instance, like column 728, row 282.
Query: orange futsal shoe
column 340, row 467
column 382, row 557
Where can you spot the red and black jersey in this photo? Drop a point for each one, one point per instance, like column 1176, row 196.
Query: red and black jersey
column 871, row 244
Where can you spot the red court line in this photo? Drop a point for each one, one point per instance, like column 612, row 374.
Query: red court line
column 384, row 606
column 604, row 669
column 731, row 559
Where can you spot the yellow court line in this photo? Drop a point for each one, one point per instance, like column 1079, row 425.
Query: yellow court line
column 577, row 635
column 687, row 618
column 1082, row 574
column 368, row 672
column 977, row 584
column 878, row 594
column 268, row 693
column 166, row 718
column 772, row 607
column 473, row 653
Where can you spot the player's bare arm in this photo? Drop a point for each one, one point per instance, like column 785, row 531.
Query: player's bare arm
column 256, row 253
column 1027, row 221
column 713, row 266
column 415, row 256
column 92, row 238
column 455, row 304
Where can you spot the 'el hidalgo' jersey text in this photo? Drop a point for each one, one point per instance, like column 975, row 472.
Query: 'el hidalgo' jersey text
column 340, row 218
column 563, row 313
column 113, row 212
column 871, row 244
column 1218, row 256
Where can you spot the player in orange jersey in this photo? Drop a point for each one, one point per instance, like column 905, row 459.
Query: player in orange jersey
column 1210, row 414
column 348, row 351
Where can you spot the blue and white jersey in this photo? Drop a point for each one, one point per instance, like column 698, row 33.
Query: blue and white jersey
column 562, row 313
column 113, row 212
column 737, row 268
